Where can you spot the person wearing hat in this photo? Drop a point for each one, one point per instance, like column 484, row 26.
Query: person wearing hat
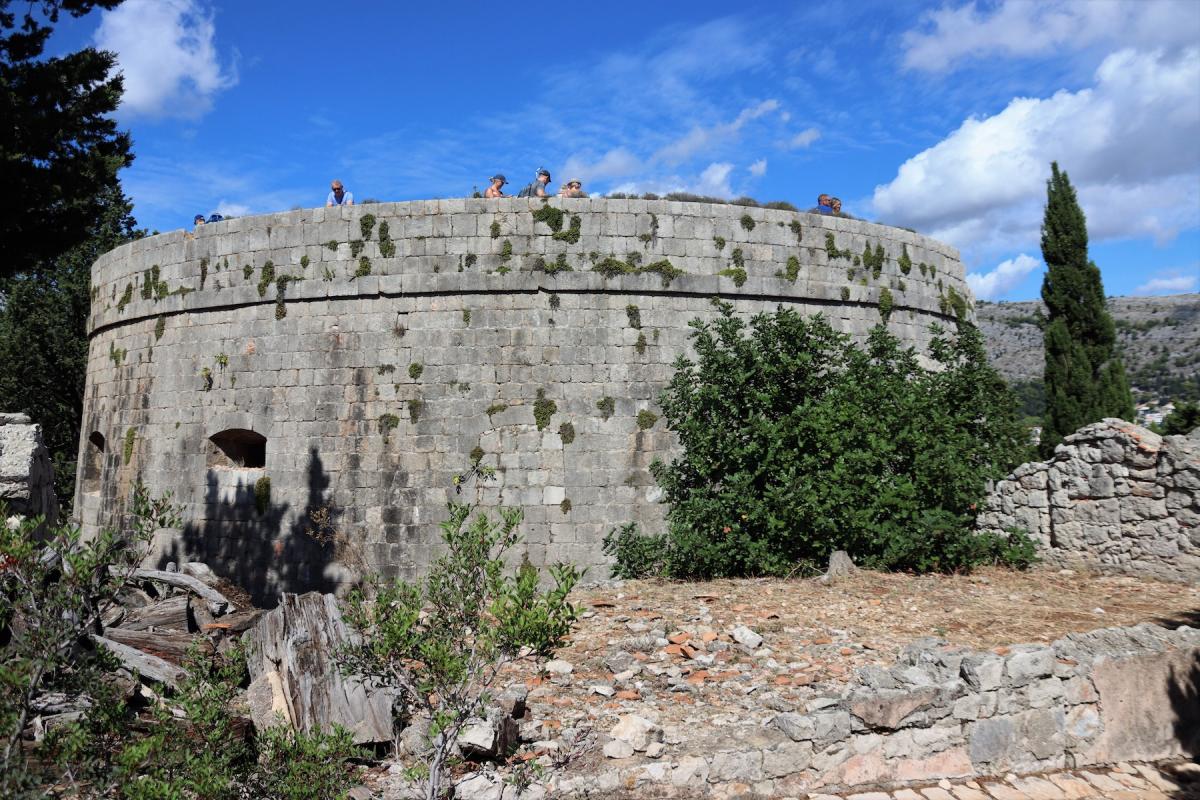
column 538, row 188
column 198, row 219
column 572, row 188
column 497, row 187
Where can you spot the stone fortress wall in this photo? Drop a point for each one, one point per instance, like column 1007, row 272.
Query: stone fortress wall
column 363, row 364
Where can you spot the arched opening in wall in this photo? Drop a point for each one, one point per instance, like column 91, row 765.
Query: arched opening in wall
column 93, row 463
column 237, row 448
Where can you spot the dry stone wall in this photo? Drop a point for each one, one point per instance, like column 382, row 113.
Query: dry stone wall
column 341, row 371
column 1115, row 497
column 942, row 711
column 26, row 472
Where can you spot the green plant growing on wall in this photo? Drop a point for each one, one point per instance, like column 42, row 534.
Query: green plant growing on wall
column 265, row 278
column 553, row 217
column 385, row 369
column 247, row 272
column 904, row 261
column 719, row 241
column 738, row 275
column 612, row 267
column 117, row 354
column 640, row 345
column 566, row 432
column 262, row 495
column 224, row 264
column 466, row 316
column 203, row 271
column 932, row 271
column 747, row 222
column 793, row 270
column 495, row 229
column 901, row 285
column 470, row 259
column 565, row 505
column 222, row 360
column 796, row 229
column 606, row 405
column 364, row 268
column 495, row 408
column 125, row 298
column 387, row 424
column 387, row 247
column 924, row 269
column 160, row 327
column 543, row 409
column 414, row 410
column 634, row 314
column 127, row 450
column 832, row 251
column 957, row 303
column 328, row 276
column 738, row 259
column 477, row 455
column 845, row 293
column 415, row 369
column 555, row 302
column 332, row 245
column 571, row 234
column 506, row 250
column 206, row 377
column 503, row 269
column 886, row 304
column 366, row 223
column 558, row 265
column 304, row 262
column 356, row 247
column 646, row 419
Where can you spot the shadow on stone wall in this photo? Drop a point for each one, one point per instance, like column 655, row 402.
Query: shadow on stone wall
column 1184, row 693
column 257, row 551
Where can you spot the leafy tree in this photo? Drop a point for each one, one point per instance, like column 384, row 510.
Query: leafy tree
column 1182, row 421
column 43, row 337
column 1085, row 379
column 796, row 442
column 59, row 145
column 443, row 641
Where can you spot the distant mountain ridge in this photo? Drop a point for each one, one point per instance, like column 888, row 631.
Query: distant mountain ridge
column 1159, row 340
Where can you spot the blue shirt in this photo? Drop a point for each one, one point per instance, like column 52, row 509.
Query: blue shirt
column 347, row 199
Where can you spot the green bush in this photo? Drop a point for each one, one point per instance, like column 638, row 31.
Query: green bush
column 797, row 442
column 634, row 554
column 441, row 642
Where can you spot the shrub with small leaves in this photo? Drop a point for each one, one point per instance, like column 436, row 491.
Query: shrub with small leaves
column 125, row 298
column 543, row 410
column 606, row 406
column 506, row 250
column 266, row 278
column 720, row 242
column 364, row 268
column 886, row 304
column 414, row 410
column 634, row 315
column 737, row 274
column 904, row 261
column 796, row 229
column 646, row 419
column 845, row 293
column 366, row 224
column 332, row 245
column 566, row 432
column 415, row 369
column 443, row 641
column 387, row 424
column 636, row 555
column 160, row 327
column 565, row 505
column 747, row 222
column 555, row 302
column 640, row 345
column 571, row 234
column 495, row 230
column 304, row 262
column 495, row 408
column 793, row 269
column 477, row 455
column 553, row 217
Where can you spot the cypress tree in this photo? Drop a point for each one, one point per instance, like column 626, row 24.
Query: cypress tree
column 1085, row 380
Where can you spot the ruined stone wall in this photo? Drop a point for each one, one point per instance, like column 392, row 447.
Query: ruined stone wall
column 1115, row 694
column 380, row 364
column 26, row 472
column 1115, row 497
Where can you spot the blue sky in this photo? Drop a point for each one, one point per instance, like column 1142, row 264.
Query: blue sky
column 942, row 117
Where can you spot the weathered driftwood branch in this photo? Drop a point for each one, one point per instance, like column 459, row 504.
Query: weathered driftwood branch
column 171, row 646
column 144, row 664
column 217, row 602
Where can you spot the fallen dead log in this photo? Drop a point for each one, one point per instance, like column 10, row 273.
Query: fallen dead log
column 217, row 602
column 168, row 614
column 294, row 672
column 144, row 664
column 172, row 646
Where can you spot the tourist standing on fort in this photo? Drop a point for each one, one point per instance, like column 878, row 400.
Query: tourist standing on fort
column 497, row 187
column 823, row 205
column 572, row 188
column 538, row 188
column 338, row 196
column 836, row 205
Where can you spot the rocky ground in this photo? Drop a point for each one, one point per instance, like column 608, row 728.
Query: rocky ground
column 1159, row 338
column 660, row 674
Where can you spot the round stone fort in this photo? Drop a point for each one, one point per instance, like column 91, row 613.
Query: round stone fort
column 314, row 386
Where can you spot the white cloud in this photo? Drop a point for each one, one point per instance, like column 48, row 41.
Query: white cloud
column 616, row 163
column 1004, row 276
column 714, row 180
column 1020, row 29
column 699, row 140
column 228, row 209
column 804, row 138
column 758, row 168
column 1130, row 143
column 166, row 52
column 1171, row 282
